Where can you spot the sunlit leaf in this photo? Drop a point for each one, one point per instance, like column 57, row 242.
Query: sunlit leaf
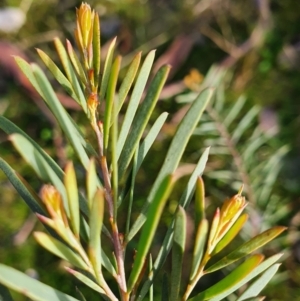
column 72, row 195
column 149, row 228
column 134, row 101
column 29, row 287
column 96, row 220
column 175, row 151
column 167, row 242
column 141, row 119
column 258, row 285
column 231, row 282
column 247, row 248
column 87, row 281
column 71, row 75
column 128, row 80
column 107, row 69
column 59, row 249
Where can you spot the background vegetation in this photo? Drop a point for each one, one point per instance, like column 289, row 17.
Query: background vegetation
column 256, row 42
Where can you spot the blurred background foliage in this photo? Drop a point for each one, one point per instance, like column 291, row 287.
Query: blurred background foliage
column 257, row 43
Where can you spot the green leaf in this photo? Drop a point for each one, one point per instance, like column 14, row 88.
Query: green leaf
column 178, row 252
column 176, row 149
column 59, row 249
column 110, row 99
column 28, row 195
column 135, row 100
column 107, row 264
column 87, row 281
column 29, row 287
column 96, row 49
column 10, row 128
column 91, row 182
column 258, row 285
column 231, row 282
column 59, row 76
column 72, row 195
column 96, row 221
column 35, row 157
column 27, row 71
column 76, row 63
column 128, row 80
column 60, row 114
column 149, row 229
column 142, row 151
column 258, row 270
column 199, row 245
column 62, row 53
column 199, row 201
column 150, row 138
column 141, row 119
column 5, row 294
column 44, row 166
column 247, row 248
column 167, row 243
column 106, row 70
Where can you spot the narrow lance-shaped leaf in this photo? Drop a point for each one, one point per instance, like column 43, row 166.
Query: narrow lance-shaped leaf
column 23, row 189
column 72, row 194
column 27, row 71
column 167, row 242
column 247, row 248
column 87, row 281
column 91, row 182
column 149, row 229
column 106, row 70
column 30, row 287
column 135, row 100
column 199, row 201
column 59, row 249
column 96, row 220
column 76, row 63
column 128, row 80
column 59, row 76
column 228, row 284
column 258, row 285
column 199, row 245
column 61, row 114
column 62, row 53
column 175, row 151
column 110, row 99
column 141, row 119
column 178, row 252
column 96, row 49
column 242, row 281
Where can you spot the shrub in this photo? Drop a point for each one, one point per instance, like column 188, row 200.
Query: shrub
column 78, row 223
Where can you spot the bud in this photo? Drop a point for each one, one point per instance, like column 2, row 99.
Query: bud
column 53, row 202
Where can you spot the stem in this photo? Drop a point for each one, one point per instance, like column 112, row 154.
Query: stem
column 197, row 277
column 118, row 248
